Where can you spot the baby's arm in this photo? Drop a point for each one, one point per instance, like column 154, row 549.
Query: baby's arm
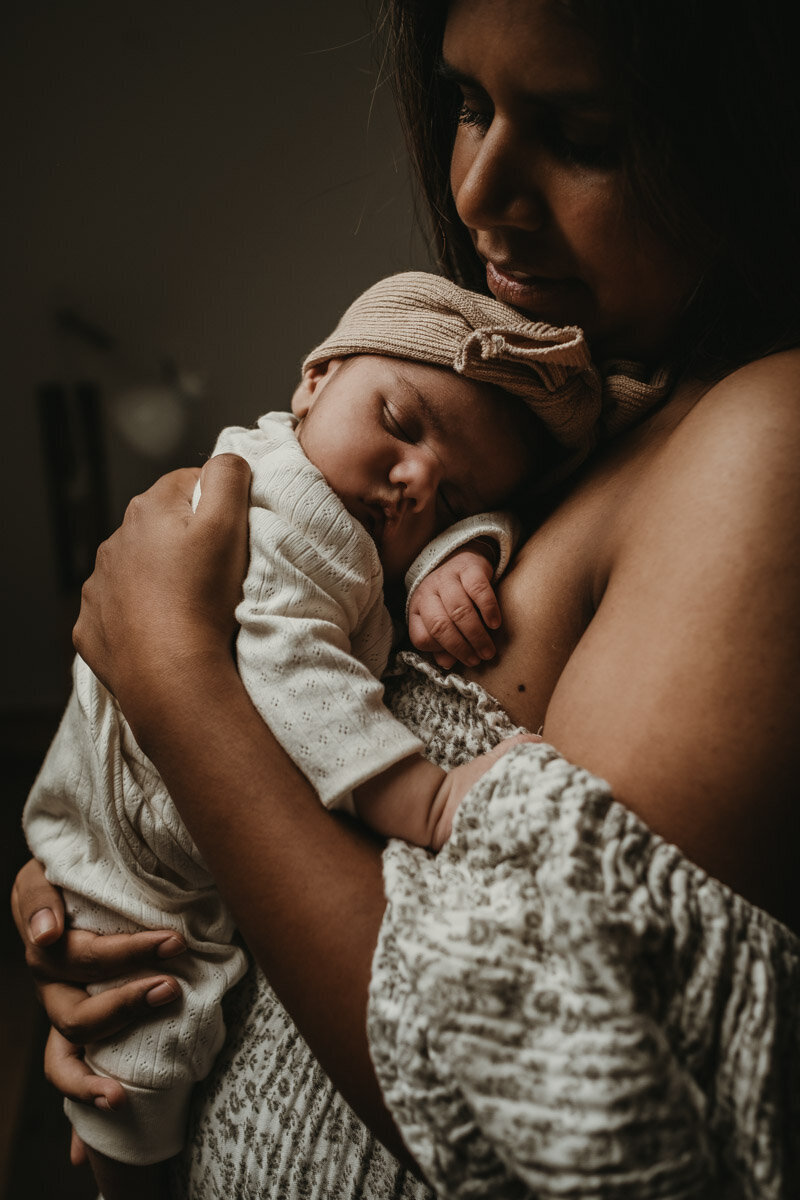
column 454, row 607
column 417, row 801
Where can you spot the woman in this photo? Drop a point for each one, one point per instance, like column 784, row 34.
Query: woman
column 632, row 169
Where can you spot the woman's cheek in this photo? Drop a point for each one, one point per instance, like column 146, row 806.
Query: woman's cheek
column 461, row 160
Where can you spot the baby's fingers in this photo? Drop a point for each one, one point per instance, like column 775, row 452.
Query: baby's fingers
column 433, row 630
column 482, row 595
column 462, row 617
column 66, row 1070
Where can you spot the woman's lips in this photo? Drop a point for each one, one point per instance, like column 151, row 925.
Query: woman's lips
column 531, row 292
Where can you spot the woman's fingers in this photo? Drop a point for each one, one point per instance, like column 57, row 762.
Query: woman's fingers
column 175, row 489
column 80, row 1018
column 66, row 1070
column 37, row 907
column 166, row 583
column 224, row 490
column 221, row 545
column 83, row 957
column 79, row 956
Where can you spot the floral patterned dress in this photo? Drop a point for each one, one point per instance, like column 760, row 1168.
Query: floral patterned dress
column 562, row 1005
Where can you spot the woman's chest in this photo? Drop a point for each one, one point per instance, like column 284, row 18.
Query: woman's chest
column 557, row 582
column 547, row 601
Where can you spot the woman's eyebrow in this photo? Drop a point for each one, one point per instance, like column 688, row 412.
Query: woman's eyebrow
column 585, row 99
column 451, row 74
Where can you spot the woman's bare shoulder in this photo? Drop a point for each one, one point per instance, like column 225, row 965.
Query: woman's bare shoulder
column 736, row 448
column 683, row 690
column 758, row 395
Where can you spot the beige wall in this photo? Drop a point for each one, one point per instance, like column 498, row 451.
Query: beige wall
column 206, row 180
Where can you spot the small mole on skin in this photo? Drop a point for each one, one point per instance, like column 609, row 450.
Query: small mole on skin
column 520, row 687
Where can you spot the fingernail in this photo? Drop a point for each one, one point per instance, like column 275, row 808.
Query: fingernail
column 170, row 947
column 162, row 993
column 42, row 923
column 102, row 1102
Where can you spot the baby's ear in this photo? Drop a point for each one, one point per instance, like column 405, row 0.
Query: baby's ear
column 306, row 391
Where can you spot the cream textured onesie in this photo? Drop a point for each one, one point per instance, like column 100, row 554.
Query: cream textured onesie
column 315, row 637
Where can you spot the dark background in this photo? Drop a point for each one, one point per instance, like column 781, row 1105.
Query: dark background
column 193, row 192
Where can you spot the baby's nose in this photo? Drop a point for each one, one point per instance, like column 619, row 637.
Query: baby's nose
column 418, row 475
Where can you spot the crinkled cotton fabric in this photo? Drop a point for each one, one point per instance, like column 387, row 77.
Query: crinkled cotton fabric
column 562, row 1005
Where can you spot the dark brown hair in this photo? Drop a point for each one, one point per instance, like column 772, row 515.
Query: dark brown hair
column 711, row 91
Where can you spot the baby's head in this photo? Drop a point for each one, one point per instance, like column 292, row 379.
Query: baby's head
column 410, row 449
column 429, row 403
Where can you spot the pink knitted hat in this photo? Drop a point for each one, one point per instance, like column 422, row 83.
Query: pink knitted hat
column 428, row 319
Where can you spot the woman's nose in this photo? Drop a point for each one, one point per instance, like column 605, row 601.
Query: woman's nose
column 495, row 180
column 417, row 473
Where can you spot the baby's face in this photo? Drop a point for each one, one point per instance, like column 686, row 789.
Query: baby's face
column 409, row 449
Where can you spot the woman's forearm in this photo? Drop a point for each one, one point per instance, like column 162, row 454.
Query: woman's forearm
column 305, row 887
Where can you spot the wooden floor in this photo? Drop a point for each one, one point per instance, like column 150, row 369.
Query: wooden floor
column 34, row 1134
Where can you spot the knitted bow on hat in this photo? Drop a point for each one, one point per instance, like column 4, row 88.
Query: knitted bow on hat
column 429, row 319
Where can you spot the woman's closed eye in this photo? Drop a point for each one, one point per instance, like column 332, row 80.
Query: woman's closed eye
column 597, row 149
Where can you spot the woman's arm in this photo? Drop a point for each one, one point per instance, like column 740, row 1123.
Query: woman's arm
column 305, row 887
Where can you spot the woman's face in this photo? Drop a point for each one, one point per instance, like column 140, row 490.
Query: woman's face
column 538, row 180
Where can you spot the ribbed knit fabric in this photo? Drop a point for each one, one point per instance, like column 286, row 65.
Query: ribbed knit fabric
column 629, row 392
column 427, row 318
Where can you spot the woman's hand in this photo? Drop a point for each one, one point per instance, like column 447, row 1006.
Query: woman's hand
column 63, row 962
column 166, row 584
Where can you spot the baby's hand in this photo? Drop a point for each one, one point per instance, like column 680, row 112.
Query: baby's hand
column 453, row 608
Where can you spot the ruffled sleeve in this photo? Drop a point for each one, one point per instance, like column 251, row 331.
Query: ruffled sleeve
column 562, row 1005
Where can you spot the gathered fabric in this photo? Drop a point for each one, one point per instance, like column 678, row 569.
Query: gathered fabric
column 563, row 1005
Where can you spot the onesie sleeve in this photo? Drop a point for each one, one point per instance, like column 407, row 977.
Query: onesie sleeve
column 562, row 1005
column 312, row 596
column 502, row 528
